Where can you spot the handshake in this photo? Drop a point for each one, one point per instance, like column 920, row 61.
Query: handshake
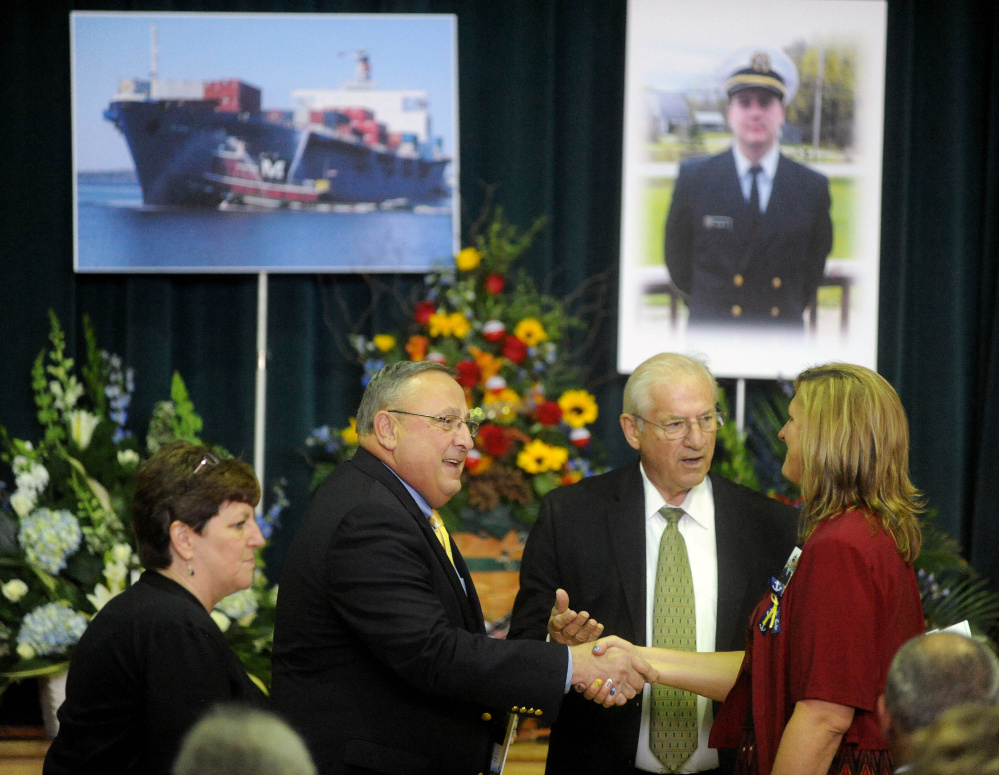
column 610, row 672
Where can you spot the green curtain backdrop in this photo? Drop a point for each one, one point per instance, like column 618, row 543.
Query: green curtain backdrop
column 541, row 106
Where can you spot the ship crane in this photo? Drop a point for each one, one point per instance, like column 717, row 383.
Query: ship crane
column 362, row 73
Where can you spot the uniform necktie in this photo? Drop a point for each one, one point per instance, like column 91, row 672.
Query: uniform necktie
column 754, row 191
column 441, row 532
column 673, row 731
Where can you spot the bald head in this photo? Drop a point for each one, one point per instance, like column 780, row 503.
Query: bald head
column 934, row 672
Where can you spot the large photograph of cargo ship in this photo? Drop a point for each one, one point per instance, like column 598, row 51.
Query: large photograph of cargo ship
column 280, row 143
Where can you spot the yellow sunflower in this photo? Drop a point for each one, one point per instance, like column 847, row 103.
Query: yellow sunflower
column 349, row 434
column 439, row 325
column 538, row 457
column 468, row 259
column 530, row 332
column 459, row 325
column 579, row 408
column 384, row 342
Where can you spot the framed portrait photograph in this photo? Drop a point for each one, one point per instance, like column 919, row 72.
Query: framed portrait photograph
column 752, row 183
column 264, row 142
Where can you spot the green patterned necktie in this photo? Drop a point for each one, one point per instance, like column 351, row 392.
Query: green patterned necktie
column 673, row 730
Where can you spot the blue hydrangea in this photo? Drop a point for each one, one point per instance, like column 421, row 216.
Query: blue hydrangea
column 271, row 519
column 239, row 606
column 48, row 537
column 51, row 629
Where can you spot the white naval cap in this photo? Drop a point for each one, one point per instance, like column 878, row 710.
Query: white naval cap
column 760, row 67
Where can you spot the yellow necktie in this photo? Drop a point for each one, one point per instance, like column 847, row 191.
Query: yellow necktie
column 441, row 532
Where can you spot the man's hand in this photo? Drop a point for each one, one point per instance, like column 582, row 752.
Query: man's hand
column 615, row 676
column 569, row 627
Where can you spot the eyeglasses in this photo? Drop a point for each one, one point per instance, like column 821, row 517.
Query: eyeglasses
column 210, row 459
column 448, row 422
column 678, row 427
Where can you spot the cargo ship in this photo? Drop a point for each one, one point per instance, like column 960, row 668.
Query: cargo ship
column 209, row 143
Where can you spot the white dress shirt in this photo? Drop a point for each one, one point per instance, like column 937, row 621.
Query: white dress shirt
column 697, row 526
column 764, row 178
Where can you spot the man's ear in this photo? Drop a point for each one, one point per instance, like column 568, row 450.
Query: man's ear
column 181, row 535
column 385, row 430
column 630, row 428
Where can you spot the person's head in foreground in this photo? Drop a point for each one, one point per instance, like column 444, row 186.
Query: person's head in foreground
column 963, row 741
column 237, row 740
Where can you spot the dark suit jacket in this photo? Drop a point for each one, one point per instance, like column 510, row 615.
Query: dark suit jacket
column 380, row 657
column 590, row 540
column 733, row 272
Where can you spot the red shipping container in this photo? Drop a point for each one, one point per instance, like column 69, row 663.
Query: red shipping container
column 358, row 114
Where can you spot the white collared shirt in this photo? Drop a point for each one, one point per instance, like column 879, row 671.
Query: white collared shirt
column 764, row 178
column 697, row 526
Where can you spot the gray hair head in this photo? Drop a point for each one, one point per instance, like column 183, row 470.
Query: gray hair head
column 236, row 738
column 933, row 672
column 659, row 369
column 387, row 388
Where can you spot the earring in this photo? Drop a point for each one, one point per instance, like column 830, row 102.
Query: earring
column 190, row 570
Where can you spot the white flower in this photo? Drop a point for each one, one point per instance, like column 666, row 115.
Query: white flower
column 100, row 596
column 14, row 590
column 22, row 501
column 66, row 400
column 115, row 573
column 128, row 458
column 32, row 477
column 221, row 620
column 121, row 553
column 24, row 651
column 81, row 427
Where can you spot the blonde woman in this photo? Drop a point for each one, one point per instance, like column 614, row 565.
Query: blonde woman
column 801, row 698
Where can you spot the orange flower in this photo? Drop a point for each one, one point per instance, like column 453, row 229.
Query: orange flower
column 488, row 362
column 417, row 347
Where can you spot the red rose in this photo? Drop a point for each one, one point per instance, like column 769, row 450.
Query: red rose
column 514, row 349
column 423, row 312
column 494, row 283
column 548, row 413
column 468, row 373
column 493, row 439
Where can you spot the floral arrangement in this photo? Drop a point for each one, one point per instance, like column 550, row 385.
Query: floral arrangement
column 503, row 339
column 66, row 546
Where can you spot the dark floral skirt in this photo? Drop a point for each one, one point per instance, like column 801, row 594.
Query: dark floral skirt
column 849, row 760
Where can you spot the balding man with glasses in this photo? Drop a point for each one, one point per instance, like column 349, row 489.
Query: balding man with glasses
column 597, row 547
column 381, row 660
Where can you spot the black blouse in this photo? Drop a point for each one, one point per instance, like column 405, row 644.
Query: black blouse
column 150, row 663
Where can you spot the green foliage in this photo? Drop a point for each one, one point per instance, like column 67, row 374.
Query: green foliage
column 735, row 461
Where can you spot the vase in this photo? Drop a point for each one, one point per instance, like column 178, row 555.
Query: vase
column 51, row 693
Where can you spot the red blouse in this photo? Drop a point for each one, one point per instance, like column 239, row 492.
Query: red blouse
column 851, row 603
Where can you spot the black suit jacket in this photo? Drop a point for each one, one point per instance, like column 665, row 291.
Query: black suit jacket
column 380, row 657
column 732, row 271
column 590, row 540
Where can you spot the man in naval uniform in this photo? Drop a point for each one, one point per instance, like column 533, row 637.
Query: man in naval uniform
column 749, row 230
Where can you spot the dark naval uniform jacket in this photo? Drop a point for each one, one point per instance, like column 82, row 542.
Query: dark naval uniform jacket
column 738, row 271
column 381, row 659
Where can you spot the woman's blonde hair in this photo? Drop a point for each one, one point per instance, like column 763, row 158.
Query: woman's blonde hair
column 854, row 445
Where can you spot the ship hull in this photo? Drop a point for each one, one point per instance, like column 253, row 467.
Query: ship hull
column 189, row 154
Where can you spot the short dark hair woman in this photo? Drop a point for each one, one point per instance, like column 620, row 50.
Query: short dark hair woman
column 153, row 660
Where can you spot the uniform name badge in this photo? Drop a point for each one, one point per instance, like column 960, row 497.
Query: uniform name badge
column 771, row 619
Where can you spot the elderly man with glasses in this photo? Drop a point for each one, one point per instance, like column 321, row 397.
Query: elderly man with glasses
column 597, row 546
column 381, row 660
